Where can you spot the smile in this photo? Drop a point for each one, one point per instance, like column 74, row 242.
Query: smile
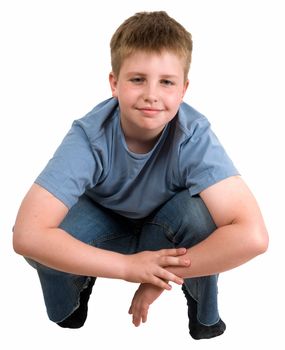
column 149, row 111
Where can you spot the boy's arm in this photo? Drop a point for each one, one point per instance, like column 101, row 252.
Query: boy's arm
column 240, row 235
column 37, row 236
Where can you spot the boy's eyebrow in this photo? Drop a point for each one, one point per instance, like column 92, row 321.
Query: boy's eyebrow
column 169, row 76
column 165, row 76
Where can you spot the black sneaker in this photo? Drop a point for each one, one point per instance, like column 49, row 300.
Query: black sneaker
column 196, row 329
column 78, row 317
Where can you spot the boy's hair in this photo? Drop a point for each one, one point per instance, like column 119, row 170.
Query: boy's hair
column 150, row 32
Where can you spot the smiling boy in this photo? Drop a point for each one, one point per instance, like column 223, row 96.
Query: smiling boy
column 149, row 95
column 140, row 189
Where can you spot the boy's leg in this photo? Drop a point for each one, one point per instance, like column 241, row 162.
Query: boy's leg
column 184, row 221
column 66, row 295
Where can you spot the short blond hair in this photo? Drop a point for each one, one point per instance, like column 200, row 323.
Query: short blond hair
column 150, row 32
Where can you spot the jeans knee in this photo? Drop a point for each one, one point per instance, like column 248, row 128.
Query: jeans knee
column 189, row 219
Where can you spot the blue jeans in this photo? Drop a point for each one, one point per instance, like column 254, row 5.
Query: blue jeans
column 183, row 221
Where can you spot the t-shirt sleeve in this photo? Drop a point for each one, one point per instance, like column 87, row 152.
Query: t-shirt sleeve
column 72, row 169
column 203, row 160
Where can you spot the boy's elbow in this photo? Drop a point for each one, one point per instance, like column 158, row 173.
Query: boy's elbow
column 17, row 245
column 260, row 241
column 20, row 242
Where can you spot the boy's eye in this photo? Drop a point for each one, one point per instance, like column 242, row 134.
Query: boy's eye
column 137, row 80
column 167, row 82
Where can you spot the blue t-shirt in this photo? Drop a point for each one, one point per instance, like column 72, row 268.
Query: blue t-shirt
column 93, row 158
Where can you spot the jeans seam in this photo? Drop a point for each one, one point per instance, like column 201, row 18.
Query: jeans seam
column 168, row 232
column 108, row 237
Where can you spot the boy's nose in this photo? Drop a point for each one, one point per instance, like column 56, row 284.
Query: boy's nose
column 150, row 93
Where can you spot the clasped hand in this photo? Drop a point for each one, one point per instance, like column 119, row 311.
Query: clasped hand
column 151, row 267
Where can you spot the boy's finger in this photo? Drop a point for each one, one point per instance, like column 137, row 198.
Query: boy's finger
column 181, row 251
column 175, row 261
column 161, row 282
column 164, row 277
column 173, row 252
column 144, row 316
column 136, row 321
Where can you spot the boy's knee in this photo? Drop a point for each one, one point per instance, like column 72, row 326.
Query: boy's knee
column 197, row 217
column 191, row 220
column 78, row 317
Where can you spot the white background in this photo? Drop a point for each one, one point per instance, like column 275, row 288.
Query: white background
column 54, row 68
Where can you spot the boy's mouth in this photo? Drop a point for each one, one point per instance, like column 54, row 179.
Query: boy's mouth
column 149, row 111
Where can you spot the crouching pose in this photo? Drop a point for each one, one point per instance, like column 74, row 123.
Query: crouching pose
column 140, row 189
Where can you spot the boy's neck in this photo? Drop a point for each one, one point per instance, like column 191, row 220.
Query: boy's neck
column 140, row 141
column 141, row 145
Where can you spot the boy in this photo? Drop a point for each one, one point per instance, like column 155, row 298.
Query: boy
column 140, row 189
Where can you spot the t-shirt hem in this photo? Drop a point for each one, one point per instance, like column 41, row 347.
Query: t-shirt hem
column 54, row 191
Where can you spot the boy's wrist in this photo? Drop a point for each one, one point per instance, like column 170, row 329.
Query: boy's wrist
column 123, row 267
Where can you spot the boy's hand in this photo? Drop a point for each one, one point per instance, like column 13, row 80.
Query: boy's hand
column 143, row 298
column 150, row 267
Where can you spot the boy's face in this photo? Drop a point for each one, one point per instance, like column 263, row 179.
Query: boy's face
column 149, row 88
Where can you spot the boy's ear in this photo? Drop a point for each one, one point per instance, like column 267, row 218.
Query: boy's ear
column 113, row 84
column 185, row 88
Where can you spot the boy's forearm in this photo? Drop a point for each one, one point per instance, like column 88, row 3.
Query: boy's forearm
column 59, row 250
column 226, row 248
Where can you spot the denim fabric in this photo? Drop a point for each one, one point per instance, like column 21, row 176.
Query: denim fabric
column 183, row 221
